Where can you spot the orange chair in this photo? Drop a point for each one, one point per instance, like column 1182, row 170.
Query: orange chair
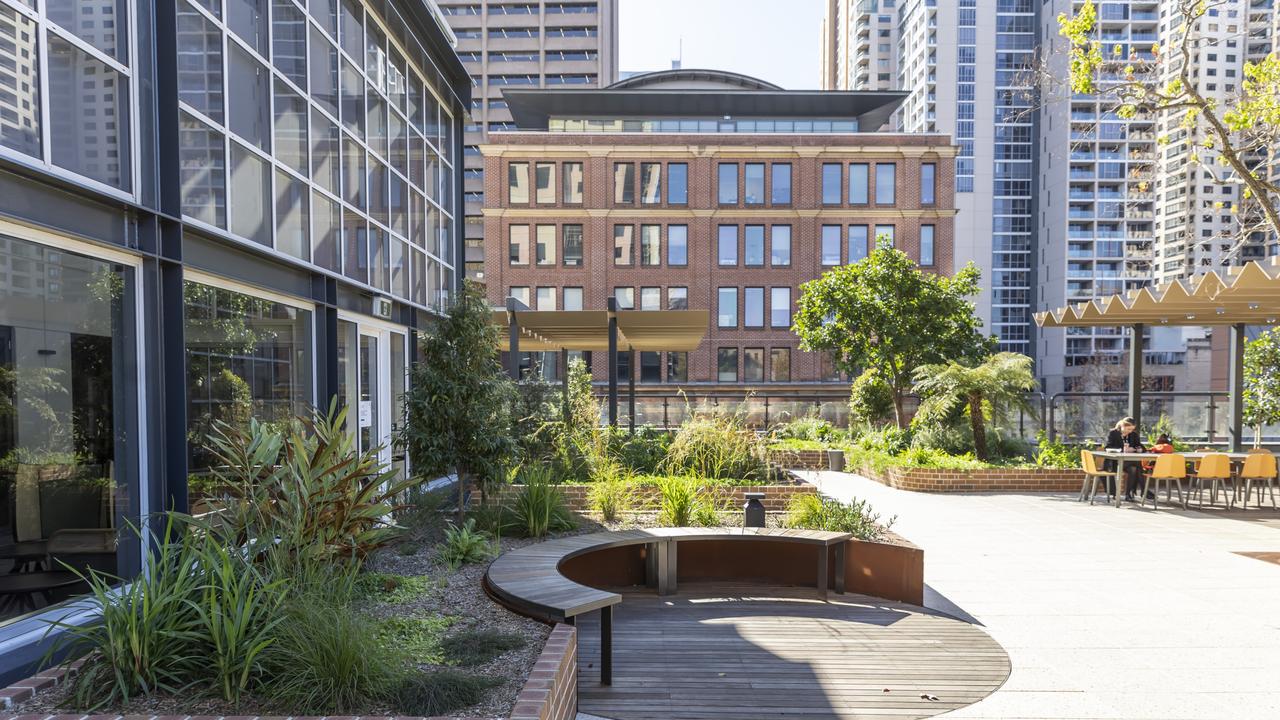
column 1089, row 488
column 1169, row 468
column 1215, row 468
column 1260, row 466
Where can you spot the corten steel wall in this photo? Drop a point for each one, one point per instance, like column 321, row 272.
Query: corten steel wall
column 598, row 214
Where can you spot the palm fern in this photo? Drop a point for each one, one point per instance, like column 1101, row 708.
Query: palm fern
column 996, row 386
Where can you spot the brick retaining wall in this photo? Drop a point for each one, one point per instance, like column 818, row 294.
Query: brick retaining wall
column 646, row 497
column 933, row 480
column 551, row 692
column 798, row 459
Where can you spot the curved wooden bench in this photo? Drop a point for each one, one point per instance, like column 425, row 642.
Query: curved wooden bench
column 528, row 580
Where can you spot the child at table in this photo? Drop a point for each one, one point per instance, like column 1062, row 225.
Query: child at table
column 1163, row 446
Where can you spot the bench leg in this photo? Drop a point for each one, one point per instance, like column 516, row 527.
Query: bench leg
column 651, row 565
column 672, row 566
column 606, row 645
column 662, row 553
column 822, row 572
column 841, row 549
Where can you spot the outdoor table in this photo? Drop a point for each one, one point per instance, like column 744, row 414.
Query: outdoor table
column 1122, row 458
column 17, row 591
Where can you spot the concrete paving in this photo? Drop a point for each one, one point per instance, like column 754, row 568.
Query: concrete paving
column 1105, row 612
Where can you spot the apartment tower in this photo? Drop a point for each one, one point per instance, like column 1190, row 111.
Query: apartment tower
column 529, row 44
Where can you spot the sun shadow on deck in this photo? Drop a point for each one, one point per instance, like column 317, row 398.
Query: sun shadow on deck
column 718, row 650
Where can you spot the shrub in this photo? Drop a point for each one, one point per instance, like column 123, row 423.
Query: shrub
column 326, row 661
column 815, row 512
column 1054, row 453
column 538, row 508
column 476, row 647
column 678, row 501
column 465, row 544
column 417, row 638
column 391, row 589
column 870, row 398
column 890, row 439
column 611, row 494
column 954, row 437
column 441, row 691
column 717, row 447
column 642, row 451
column 810, row 427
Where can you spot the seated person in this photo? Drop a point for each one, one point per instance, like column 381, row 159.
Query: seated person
column 1124, row 438
column 1163, row 446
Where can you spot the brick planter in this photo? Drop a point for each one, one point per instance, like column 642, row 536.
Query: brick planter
column 647, row 497
column 798, row 459
column 933, row 480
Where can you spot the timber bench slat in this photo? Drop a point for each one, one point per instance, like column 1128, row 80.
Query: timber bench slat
column 528, row 579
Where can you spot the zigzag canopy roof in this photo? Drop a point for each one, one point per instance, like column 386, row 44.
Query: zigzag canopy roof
column 1248, row 294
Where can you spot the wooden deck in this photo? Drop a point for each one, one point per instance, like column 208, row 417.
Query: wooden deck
column 751, row 652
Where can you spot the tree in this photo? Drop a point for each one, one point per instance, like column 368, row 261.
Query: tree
column 459, row 405
column 1232, row 143
column 886, row 314
column 1262, row 382
column 870, row 398
column 989, row 390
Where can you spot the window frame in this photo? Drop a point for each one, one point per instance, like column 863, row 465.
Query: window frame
column 773, row 184
column 732, row 200
column 724, row 294
column 684, row 244
column 892, row 185
column 863, row 186
column 773, row 305
column 722, row 354
column 825, row 192
column 720, row 246
column 822, row 245
column 511, row 243
column 513, row 167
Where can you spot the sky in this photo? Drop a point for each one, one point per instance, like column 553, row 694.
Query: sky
column 776, row 40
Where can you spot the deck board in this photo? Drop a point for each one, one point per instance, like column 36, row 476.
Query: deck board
column 749, row 652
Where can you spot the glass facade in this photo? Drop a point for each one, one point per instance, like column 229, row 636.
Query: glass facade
column 292, row 118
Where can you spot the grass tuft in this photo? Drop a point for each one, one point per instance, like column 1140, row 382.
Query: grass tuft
column 476, row 647
column 442, row 691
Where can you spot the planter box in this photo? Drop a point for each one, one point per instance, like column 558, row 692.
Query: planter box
column 798, row 459
column 647, row 497
column 1013, row 480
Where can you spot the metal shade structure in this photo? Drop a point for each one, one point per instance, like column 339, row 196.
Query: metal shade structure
column 609, row 330
column 1239, row 297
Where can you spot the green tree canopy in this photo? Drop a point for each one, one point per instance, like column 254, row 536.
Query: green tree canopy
column 886, row 314
column 988, row 391
column 1262, row 381
column 459, row 404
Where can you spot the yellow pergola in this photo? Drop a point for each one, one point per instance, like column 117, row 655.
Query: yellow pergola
column 610, row 330
column 1237, row 297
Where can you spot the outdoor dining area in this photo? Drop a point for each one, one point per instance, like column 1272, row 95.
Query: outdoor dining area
column 1236, row 298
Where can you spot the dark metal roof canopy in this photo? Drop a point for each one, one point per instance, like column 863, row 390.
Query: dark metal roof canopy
column 531, row 109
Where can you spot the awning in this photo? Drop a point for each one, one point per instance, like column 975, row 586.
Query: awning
column 1244, row 295
column 644, row 330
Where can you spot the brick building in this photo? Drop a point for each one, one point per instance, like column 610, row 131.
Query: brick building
column 706, row 190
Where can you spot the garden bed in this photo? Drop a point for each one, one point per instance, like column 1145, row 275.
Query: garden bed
column 646, row 496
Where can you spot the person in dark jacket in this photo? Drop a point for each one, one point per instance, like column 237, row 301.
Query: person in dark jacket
column 1124, row 438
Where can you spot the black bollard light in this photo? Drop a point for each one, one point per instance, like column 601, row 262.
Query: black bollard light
column 753, row 511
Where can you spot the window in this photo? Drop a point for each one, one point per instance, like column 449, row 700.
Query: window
column 625, row 297
column 857, row 243
column 546, row 298
column 677, row 244
column 518, row 244
column 753, row 365
column 650, row 298
column 727, row 364
column 650, row 183
column 753, row 245
column 830, row 244
column 677, row 298
column 545, row 183
column 573, row 298
column 518, row 183
column 858, row 184
column 831, row 183
column 572, row 178
column 650, row 245
column 677, row 184
column 780, row 245
column 780, row 365
column 884, row 236
column 926, row 245
column 521, row 295
column 780, row 307
column 728, row 184
column 650, row 367
column 677, row 367
column 727, row 307
column 545, row 250
column 624, row 183
column 727, row 245
column 572, row 245
column 780, row 192
column 753, row 184
column 886, row 178
column 753, row 307
column 622, row 244
column 623, row 366
column 928, row 183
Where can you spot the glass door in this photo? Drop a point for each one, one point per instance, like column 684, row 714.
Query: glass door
column 371, row 382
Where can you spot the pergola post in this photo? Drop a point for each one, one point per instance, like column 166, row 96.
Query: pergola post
column 1235, row 387
column 1135, row 375
column 513, row 345
column 564, row 383
column 612, row 305
column 631, row 390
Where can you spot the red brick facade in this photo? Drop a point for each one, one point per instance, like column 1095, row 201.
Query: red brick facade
column 702, row 275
